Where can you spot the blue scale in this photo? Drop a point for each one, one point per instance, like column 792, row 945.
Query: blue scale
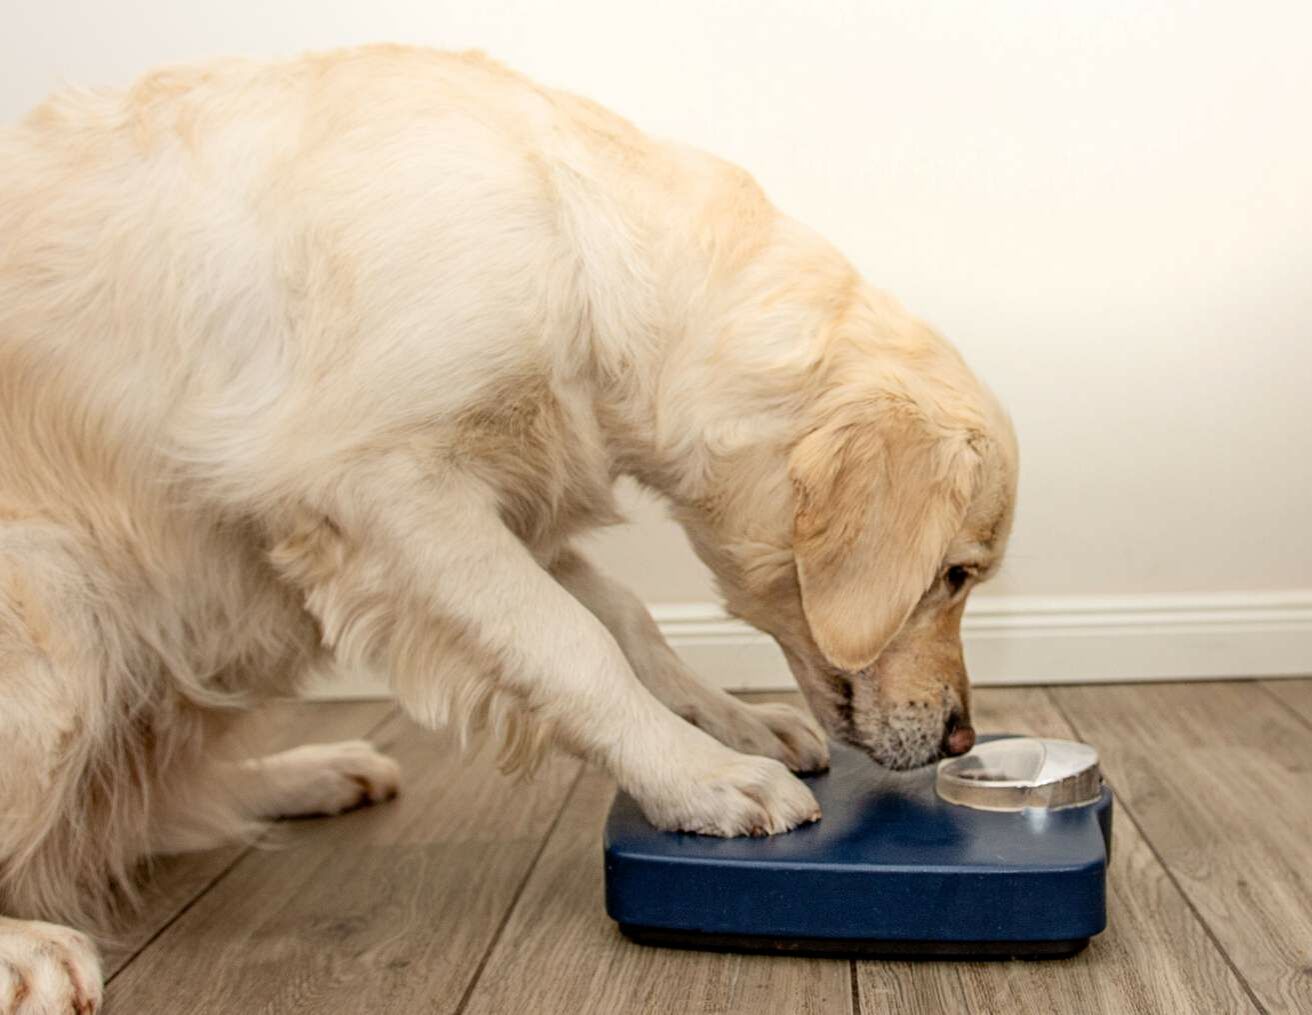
column 1001, row 852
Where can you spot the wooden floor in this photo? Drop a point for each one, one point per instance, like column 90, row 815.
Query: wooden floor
column 476, row 894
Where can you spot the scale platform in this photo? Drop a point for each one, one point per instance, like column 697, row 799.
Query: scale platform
column 892, row 869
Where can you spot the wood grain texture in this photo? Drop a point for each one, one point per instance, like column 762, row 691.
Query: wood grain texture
column 1219, row 777
column 561, row 953
column 474, row 893
column 174, row 881
column 387, row 909
column 1153, row 957
column 1295, row 694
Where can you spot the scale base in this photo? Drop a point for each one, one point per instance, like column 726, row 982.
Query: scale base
column 890, row 870
column 855, row 948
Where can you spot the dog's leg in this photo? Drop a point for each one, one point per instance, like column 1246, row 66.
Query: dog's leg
column 47, row 968
column 316, row 779
column 421, row 577
column 225, row 801
column 774, row 730
column 62, row 834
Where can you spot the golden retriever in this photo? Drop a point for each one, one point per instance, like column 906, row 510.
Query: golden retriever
column 328, row 362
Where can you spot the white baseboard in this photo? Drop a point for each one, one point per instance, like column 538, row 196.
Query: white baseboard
column 1055, row 640
column 1030, row 640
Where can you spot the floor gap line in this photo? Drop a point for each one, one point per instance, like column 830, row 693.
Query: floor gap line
column 519, row 892
column 227, row 869
column 1299, row 716
column 179, row 914
column 1170, row 874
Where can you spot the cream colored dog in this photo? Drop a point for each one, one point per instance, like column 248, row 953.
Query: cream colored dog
column 328, row 362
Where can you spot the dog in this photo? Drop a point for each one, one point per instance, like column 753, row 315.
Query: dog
column 328, row 363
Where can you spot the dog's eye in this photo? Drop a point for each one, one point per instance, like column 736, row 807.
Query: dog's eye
column 955, row 577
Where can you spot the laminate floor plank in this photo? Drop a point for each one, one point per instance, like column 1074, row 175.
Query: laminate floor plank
column 173, row 882
column 1218, row 776
column 387, row 909
column 1296, row 694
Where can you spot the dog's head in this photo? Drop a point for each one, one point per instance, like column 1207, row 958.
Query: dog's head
column 856, row 542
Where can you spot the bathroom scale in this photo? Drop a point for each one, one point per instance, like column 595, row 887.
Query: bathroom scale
column 998, row 853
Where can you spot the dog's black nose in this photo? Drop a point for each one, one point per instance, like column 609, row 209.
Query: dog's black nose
column 957, row 739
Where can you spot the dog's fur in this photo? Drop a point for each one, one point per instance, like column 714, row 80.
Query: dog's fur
column 327, row 362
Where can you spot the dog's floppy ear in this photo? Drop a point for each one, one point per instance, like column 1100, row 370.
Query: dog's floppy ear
column 878, row 496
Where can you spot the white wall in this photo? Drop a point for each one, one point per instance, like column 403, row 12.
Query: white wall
column 1108, row 207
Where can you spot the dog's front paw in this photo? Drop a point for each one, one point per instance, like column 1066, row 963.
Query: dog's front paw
column 46, row 969
column 801, row 744
column 772, row 730
column 737, row 794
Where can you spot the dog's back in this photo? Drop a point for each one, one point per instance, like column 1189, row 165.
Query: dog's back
column 213, row 286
